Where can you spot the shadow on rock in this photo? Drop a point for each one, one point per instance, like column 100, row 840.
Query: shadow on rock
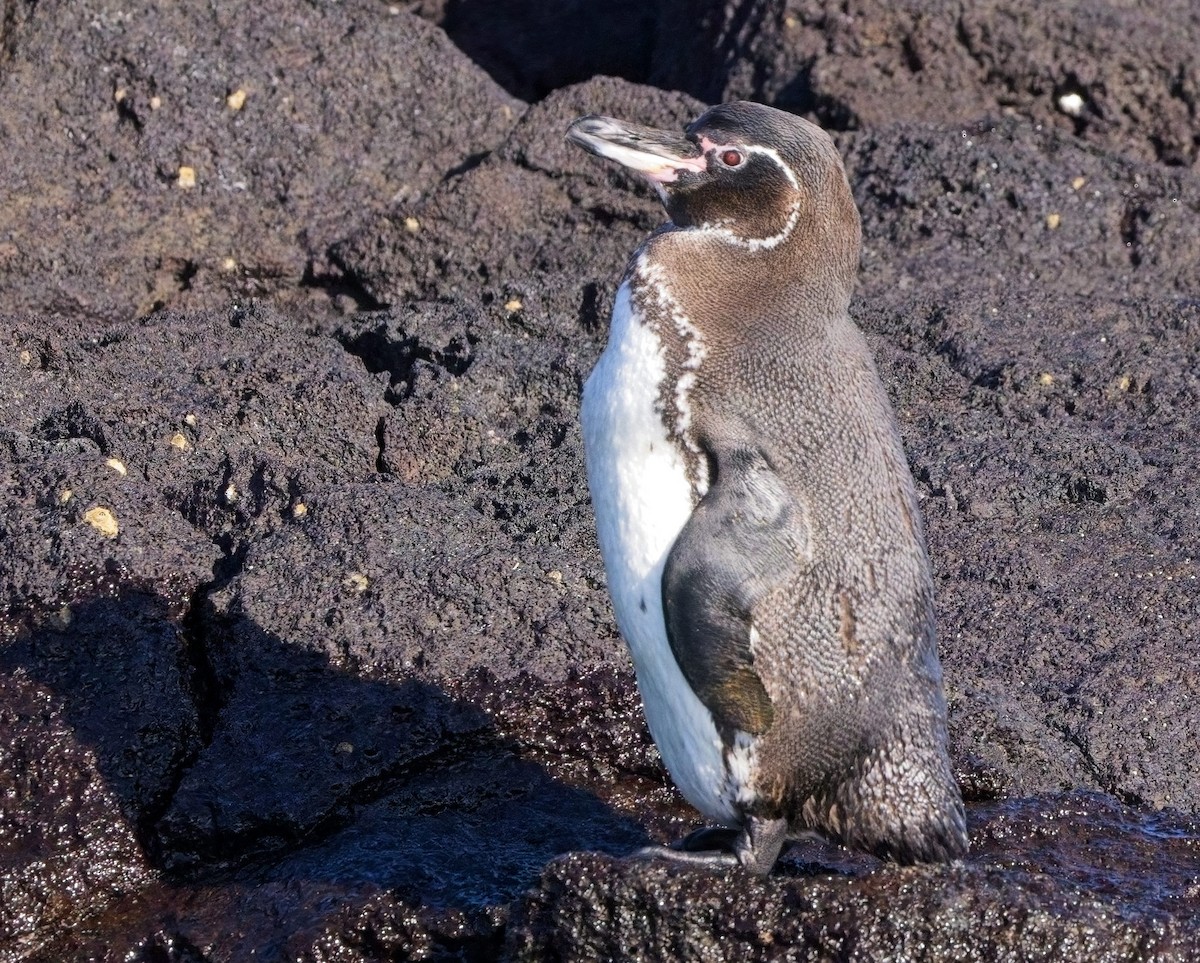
column 531, row 48
column 266, row 780
column 120, row 672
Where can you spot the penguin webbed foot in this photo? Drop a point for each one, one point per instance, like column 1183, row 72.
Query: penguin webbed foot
column 715, row 858
column 708, row 838
column 755, row 847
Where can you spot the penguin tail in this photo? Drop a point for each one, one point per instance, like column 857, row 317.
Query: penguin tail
column 905, row 806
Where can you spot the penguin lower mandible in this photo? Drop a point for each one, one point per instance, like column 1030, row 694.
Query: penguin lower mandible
column 756, row 514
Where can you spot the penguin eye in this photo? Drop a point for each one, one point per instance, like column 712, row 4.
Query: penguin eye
column 731, row 158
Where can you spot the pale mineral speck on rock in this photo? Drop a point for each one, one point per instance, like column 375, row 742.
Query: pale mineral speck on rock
column 102, row 520
column 1071, row 104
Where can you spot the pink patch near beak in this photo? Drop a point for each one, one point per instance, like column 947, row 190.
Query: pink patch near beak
column 668, row 170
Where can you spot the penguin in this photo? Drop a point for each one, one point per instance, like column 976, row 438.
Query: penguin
column 755, row 511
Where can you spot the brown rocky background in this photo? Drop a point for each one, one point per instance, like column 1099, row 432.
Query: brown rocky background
column 305, row 650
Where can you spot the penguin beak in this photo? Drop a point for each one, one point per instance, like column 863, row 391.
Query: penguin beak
column 657, row 155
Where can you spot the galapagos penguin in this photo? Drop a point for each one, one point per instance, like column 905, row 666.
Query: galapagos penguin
column 755, row 511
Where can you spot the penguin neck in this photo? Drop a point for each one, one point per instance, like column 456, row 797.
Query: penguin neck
column 781, row 288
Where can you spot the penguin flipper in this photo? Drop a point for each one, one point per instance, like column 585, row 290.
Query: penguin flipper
column 746, row 536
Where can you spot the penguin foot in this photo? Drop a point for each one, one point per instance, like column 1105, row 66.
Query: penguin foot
column 708, row 837
column 715, row 858
column 759, row 844
column 755, row 847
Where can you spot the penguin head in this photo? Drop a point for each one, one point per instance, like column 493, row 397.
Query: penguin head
column 744, row 175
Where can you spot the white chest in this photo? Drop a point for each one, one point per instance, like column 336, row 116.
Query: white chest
column 643, row 497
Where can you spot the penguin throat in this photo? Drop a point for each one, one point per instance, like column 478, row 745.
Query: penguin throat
column 723, row 231
column 659, row 301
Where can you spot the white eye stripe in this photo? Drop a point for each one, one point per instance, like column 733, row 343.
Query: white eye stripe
column 725, row 233
column 708, row 145
column 772, row 153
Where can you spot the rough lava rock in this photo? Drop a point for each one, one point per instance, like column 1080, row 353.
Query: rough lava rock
column 1059, row 486
column 65, row 850
column 177, row 156
column 1071, row 219
column 305, row 646
column 869, row 63
column 993, row 907
column 559, row 226
column 1128, row 72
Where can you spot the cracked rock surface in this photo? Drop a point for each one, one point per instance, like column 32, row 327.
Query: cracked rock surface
column 305, row 645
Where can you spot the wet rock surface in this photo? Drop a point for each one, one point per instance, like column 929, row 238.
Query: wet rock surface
column 305, row 647
column 1003, row 903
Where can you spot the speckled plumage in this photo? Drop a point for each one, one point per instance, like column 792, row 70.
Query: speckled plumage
column 785, row 539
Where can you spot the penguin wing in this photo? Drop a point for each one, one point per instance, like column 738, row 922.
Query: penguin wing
column 746, row 536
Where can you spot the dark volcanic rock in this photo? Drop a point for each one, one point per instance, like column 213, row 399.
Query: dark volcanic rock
column 334, row 675
column 128, row 486
column 939, row 203
column 1049, row 438
column 539, row 229
column 65, row 850
column 996, row 907
column 872, row 62
column 399, row 580
column 296, row 120
column 191, row 429
column 118, row 660
column 533, row 48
